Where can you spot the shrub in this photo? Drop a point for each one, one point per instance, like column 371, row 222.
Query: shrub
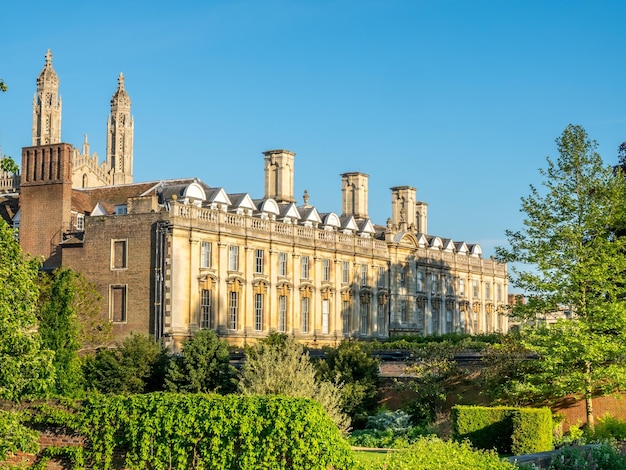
column 431, row 453
column 609, row 427
column 200, row 431
column 608, row 455
column 507, row 429
column 14, row 436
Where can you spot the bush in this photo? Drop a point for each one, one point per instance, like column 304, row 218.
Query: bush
column 609, row 427
column 431, row 453
column 200, row 431
column 608, row 455
column 508, row 430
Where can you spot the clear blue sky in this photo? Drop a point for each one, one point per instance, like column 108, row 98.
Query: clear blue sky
column 461, row 99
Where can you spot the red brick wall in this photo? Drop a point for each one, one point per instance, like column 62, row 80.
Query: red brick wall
column 93, row 259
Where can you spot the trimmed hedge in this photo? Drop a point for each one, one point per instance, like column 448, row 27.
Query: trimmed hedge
column 509, row 430
column 202, row 431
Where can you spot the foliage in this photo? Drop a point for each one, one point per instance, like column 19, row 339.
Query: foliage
column 73, row 454
column 8, row 164
column 434, row 366
column 168, row 430
column 387, row 429
column 418, row 342
column 94, row 331
column 135, row 366
column 608, row 455
column 3, row 86
column 275, row 369
column 25, row 366
column 59, row 330
column 509, row 430
column 571, row 253
column 431, row 453
column 352, row 365
column 505, row 368
column 609, row 427
column 203, row 366
column 14, row 436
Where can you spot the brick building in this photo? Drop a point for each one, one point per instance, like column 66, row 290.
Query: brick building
column 173, row 256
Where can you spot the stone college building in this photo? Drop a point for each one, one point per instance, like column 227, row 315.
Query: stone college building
column 170, row 257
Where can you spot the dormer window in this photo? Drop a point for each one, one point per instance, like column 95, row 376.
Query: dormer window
column 121, row 209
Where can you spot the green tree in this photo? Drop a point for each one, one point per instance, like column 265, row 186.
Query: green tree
column 137, row 365
column 203, row 366
column 570, row 254
column 25, row 366
column 8, row 164
column 352, row 364
column 3, row 86
column 59, row 329
column 284, row 368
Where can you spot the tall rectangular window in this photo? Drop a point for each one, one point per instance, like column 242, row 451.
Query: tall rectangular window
column 381, row 276
column 420, row 281
column 282, row 313
column 435, row 321
column 475, row 289
column 488, row 290
column 345, row 272
column 233, row 310
column 282, row 264
column 233, row 258
column 305, row 267
column 345, row 313
column 117, row 303
column 402, row 277
column 205, row 308
column 448, row 321
column 325, row 269
column 449, row 286
column 499, row 288
column 205, row 255
column 364, row 314
column 403, row 316
column 304, row 313
column 434, row 281
column 325, row 316
column 364, row 274
column 258, row 312
column 258, row 261
column 461, row 287
column 419, row 312
column 119, row 254
column 381, row 319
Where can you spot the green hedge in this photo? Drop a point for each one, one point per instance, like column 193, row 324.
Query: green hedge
column 201, row 431
column 508, row 430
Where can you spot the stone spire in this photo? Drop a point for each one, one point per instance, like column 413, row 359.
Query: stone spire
column 120, row 132
column 47, row 106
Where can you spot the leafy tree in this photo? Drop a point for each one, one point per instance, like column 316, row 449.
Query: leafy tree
column 3, row 86
column 570, row 253
column 352, row 364
column 272, row 368
column 203, row 366
column 25, row 366
column 136, row 365
column 8, row 164
column 59, row 329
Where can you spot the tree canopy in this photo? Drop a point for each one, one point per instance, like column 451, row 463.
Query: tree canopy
column 571, row 254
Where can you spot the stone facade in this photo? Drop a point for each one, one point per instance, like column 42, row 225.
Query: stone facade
column 170, row 257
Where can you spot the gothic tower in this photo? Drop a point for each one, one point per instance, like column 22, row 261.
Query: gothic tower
column 120, row 129
column 47, row 106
